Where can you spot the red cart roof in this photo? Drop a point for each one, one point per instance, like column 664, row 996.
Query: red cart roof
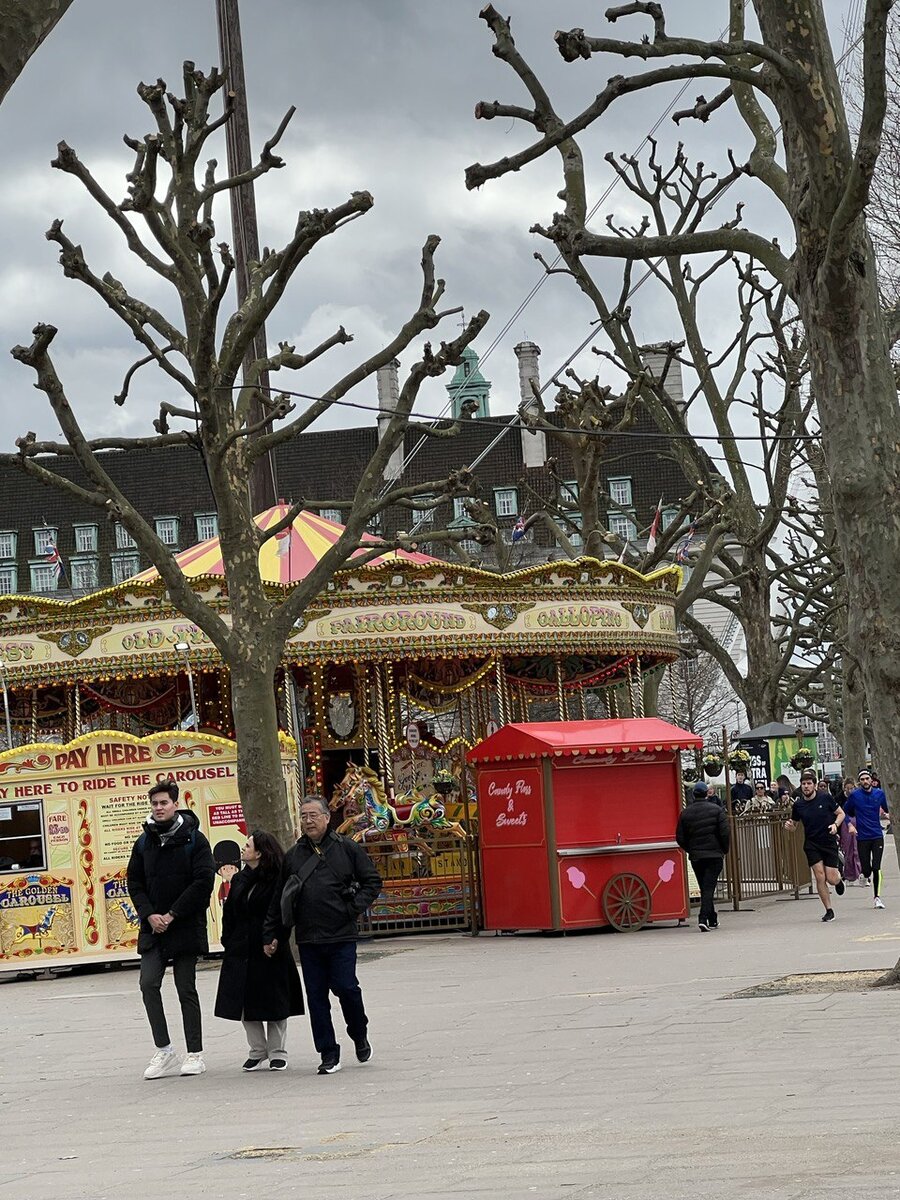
column 543, row 739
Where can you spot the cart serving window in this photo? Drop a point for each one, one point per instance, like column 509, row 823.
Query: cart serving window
column 22, row 843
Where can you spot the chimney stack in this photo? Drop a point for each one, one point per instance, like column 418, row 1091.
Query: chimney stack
column 534, row 442
column 388, row 380
column 655, row 358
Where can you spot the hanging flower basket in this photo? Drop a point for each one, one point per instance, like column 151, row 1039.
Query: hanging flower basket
column 739, row 760
column 802, row 760
column 689, row 774
column 443, row 783
column 713, row 765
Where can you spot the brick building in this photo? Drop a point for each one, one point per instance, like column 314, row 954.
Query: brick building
column 171, row 489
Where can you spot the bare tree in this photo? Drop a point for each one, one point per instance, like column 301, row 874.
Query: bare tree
column 695, row 693
column 824, row 187
column 167, row 221
column 24, row 24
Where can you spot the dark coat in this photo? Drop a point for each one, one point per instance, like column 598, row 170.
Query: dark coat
column 176, row 877
column 251, row 985
column 325, row 909
column 703, row 830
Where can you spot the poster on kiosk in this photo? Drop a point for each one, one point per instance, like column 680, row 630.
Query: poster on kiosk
column 69, row 815
column 577, row 824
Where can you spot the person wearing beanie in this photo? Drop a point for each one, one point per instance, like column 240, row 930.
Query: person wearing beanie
column 821, row 816
column 864, row 807
column 704, row 834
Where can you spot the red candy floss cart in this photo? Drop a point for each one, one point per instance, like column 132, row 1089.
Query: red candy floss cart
column 577, row 824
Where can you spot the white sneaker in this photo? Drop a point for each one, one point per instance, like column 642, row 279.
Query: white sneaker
column 163, row 1062
column 863, row 881
column 193, row 1064
column 879, row 903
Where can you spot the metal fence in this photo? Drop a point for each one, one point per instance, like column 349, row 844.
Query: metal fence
column 430, row 884
column 764, row 859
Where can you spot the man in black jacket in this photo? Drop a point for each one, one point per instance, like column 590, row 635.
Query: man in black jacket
column 704, row 834
column 170, row 879
column 327, row 882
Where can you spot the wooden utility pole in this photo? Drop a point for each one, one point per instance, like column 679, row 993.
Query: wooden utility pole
column 245, row 231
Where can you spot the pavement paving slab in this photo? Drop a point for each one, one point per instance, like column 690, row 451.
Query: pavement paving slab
column 596, row 1065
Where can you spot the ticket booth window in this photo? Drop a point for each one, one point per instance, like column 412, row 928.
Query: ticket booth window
column 22, row 836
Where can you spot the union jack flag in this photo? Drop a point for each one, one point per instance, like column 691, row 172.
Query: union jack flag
column 682, row 552
column 54, row 558
column 518, row 530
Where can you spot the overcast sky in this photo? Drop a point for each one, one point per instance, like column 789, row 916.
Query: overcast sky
column 385, row 93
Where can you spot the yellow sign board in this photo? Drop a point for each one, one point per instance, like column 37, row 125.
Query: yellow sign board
column 69, row 816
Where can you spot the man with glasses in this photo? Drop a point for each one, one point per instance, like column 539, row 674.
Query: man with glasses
column 864, row 807
column 327, row 882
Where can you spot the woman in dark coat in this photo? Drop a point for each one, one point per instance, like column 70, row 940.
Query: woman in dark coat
column 258, row 991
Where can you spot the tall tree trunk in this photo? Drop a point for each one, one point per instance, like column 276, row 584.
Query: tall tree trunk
column 23, row 26
column 762, row 695
column 652, row 684
column 260, row 778
column 851, row 371
column 853, row 724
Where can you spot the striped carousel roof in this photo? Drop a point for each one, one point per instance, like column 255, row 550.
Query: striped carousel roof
column 286, row 558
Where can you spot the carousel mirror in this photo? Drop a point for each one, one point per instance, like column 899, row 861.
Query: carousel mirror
column 340, row 714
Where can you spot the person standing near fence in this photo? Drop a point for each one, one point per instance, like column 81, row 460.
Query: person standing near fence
column 821, row 816
column 704, row 834
column 864, row 807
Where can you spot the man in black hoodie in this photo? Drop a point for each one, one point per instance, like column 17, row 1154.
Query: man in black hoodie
column 170, row 880
column 704, row 834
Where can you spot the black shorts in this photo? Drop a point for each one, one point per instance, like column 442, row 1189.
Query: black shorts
column 823, row 854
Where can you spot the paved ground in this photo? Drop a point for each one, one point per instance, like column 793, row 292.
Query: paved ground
column 602, row 1065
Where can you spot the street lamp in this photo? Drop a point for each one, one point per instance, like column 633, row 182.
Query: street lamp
column 183, row 648
column 9, row 740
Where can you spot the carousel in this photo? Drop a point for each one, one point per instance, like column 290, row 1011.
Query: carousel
column 398, row 668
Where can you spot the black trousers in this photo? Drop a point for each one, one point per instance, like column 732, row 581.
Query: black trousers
column 707, row 871
column 184, row 969
column 870, row 853
column 332, row 968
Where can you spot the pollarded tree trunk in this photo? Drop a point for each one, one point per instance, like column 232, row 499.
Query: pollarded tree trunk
column 853, row 722
column 651, row 693
column 23, row 26
column 850, row 362
column 761, row 694
column 260, row 777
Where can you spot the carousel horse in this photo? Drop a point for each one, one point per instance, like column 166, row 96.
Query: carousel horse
column 41, row 930
column 371, row 813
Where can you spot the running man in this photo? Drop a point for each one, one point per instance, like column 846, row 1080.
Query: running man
column 864, row 806
column 821, row 816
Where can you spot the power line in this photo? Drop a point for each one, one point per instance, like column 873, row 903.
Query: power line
column 483, row 358
column 602, row 433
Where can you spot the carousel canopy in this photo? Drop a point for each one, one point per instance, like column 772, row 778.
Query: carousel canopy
column 541, row 739
column 286, row 558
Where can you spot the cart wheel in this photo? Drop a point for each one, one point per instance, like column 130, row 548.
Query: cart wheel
column 626, row 902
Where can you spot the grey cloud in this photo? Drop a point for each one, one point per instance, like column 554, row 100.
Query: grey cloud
column 385, row 94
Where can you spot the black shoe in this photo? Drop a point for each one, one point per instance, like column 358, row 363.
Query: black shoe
column 363, row 1051
column 278, row 1064
column 331, row 1062
column 839, row 887
column 829, row 915
column 254, row 1064
column 714, row 924
column 703, row 926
